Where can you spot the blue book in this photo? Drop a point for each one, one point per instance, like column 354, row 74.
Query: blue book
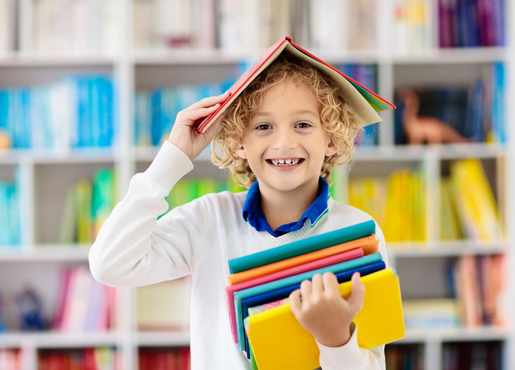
column 285, row 292
column 296, row 279
column 303, row 246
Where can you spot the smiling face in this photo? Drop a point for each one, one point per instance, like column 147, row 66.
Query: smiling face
column 284, row 142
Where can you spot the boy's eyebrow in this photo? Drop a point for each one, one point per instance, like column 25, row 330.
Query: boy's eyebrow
column 299, row 112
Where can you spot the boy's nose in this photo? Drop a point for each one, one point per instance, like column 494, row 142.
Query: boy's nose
column 285, row 140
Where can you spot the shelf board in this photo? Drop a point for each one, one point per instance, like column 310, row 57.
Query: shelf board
column 445, row 248
column 54, row 339
column 419, row 152
column 162, row 339
column 14, row 156
column 455, row 335
column 42, row 253
column 31, row 60
column 452, row 56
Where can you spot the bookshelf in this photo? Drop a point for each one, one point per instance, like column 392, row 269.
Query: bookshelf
column 43, row 175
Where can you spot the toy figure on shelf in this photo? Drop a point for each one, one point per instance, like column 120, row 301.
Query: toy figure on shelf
column 425, row 129
column 31, row 311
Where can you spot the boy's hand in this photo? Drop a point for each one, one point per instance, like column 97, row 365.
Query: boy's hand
column 323, row 311
column 184, row 133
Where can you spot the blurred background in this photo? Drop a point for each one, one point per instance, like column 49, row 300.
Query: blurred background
column 89, row 90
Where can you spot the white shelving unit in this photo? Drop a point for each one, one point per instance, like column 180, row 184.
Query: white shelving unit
column 39, row 170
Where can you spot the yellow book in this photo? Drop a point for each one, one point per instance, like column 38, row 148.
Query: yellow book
column 485, row 199
column 278, row 341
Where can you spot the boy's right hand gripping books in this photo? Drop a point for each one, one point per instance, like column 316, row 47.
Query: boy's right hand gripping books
column 273, row 338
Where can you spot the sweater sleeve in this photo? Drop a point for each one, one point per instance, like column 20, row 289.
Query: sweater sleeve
column 133, row 248
column 351, row 356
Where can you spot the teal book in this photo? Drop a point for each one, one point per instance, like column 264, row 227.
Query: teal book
column 303, row 246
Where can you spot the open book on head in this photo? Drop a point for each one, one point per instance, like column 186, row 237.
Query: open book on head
column 363, row 103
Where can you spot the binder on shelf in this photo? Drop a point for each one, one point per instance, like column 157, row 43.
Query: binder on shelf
column 364, row 103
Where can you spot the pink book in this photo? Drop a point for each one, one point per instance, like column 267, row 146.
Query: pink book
column 295, row 270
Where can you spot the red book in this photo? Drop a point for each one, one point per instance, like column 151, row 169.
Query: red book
column 363, row 102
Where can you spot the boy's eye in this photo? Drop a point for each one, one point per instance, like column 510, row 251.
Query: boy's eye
column 303, row 125
column 263, row 127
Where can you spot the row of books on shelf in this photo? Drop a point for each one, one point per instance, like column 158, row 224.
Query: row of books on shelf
column 84, row 305
column 477, row 112
column 455, row 356
column 61, row 26
column 100, row 358
column 396, row 202
column 74, row 112
column 473, row 355
column 468, row 208
column 164, row 358
column 404, row 357
column 471, row 23
column 233, row 25
column 155, row 111
column 87, row 204
column 10, row 359
column 10, row 212
column 77, row 27
column 7, row 25
column 478, row 297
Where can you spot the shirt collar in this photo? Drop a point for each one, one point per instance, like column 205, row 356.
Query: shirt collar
column 253, row 213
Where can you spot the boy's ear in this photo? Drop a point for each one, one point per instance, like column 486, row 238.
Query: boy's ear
column 241, row 152
column 331, row 149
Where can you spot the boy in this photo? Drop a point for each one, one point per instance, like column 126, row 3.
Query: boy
column 280, row 137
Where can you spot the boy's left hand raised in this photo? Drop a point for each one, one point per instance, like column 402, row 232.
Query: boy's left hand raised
column 323, row 312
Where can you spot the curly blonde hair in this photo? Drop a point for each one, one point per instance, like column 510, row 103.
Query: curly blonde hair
column 335, row 116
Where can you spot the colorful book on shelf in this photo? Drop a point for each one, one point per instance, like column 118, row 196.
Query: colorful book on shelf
column 282, row 293
column 312, row 265
column 368, row 245
column 365, row 103
column 279, row 341
column 289, row 281
column 302, row 246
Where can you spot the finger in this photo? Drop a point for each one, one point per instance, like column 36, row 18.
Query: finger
column 209, row 101
column 330, row 284
column 194, row 115
column 317, row 284
column 358, row 293
column 305, row 289
column 213, row 128
column 295, row 302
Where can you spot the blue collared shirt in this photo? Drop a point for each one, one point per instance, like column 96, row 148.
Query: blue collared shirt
column 253, row 213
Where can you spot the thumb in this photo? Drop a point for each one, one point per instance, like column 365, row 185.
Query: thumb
column 358, row 293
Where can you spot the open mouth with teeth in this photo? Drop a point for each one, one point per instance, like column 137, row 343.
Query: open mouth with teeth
column 285, row 162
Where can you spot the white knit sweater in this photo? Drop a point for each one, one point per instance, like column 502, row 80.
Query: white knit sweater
column 134, row 249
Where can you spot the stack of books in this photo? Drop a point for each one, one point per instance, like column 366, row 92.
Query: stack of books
column 261, row 319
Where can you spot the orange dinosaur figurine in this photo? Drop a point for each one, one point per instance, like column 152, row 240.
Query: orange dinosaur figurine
column 425, row 129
